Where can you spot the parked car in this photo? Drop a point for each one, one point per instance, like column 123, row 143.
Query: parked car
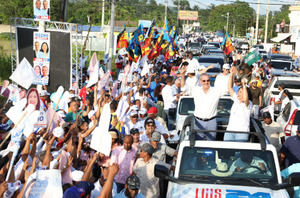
column 281, row 57
column 282, row 64
column 289, row 118
column 242, row 45
column 195, row 48
column 259, row 46
column 216, row 44
column 212, row 60
column 292, row 83
column 205, row 48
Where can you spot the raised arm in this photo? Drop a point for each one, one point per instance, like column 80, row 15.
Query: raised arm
column 230, row 81
column 245, row 92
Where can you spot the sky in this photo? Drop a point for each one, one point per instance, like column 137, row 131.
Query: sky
column 204, row 3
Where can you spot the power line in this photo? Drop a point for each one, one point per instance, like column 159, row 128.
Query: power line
column 261, row 3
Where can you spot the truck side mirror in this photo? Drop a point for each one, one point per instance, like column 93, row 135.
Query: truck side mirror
column 294, row 179
column 161, row 171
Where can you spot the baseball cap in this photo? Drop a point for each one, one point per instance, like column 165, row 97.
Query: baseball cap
column 149, row 121
column 113, row 134
column 156, row 136
column 148, row 148
column 58, row 132
column 85, row 188
column 163, row 72
column 152, row 110
column 134, row 131
column 133, row 182
column 72, row 192
column 143, row 111
column 226, row 66
column 44, row 93
column 133, row 113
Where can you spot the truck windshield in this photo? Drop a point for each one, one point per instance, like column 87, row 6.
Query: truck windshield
column 187, row 106
column 228, row 166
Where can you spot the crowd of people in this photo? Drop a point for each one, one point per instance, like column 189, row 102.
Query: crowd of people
column 140, row 125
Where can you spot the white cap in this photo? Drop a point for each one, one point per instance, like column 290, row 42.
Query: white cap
column 226, row 66
column 91, row 113
column 134, row 108
column 61, row 113
column 143, row 111
column 44, row 93
column 77, row 175
column 132, row 113
column 58, row 132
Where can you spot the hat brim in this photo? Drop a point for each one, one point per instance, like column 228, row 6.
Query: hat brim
column 215, row 172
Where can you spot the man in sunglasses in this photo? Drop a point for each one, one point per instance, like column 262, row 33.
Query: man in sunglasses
column 206, row 102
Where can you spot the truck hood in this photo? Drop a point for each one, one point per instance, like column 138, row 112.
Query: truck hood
column 222, row 191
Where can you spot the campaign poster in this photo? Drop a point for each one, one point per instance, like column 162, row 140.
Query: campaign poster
column 41, row 10
column 41, row 46
column 41, row 69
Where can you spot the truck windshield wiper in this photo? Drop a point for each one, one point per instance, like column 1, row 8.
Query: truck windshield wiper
column 237, row 180
column 198, row 178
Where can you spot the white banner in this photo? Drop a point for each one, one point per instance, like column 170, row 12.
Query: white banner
column 93, row 70
column 101, row 139
column 24, row 74
column 44, row 183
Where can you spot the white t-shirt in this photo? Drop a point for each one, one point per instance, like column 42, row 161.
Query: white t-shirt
column 98, row 188
column 169, row 97
column 221, row 82
column 239, row 119
column 190, row 84
column 206, row 103
column 193, row 63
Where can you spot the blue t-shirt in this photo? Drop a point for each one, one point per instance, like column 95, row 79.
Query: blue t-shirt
column 291, row 150
column 287, row 172
column 151, row 90
column 122, row 195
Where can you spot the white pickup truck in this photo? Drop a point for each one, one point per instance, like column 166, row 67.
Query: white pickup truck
column 219, row 169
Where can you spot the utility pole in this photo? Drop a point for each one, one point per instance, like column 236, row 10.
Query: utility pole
column 166, row 9
column 257, row 21
column 227, row 21
column 111, row 38
column 102, row 18
column 178, row 8
column 267, row 22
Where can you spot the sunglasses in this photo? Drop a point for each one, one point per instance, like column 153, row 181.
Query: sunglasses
column 205, row 80
column 135, row 116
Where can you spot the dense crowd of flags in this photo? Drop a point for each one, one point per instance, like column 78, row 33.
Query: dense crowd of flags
column 149, row 42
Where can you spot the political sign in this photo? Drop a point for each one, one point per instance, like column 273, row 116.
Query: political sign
column 44, row 183
column 41, row 46
column 41, row 10
column 41, row 68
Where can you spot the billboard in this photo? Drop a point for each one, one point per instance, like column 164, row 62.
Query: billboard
column 58, row 70
column 188, row 15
